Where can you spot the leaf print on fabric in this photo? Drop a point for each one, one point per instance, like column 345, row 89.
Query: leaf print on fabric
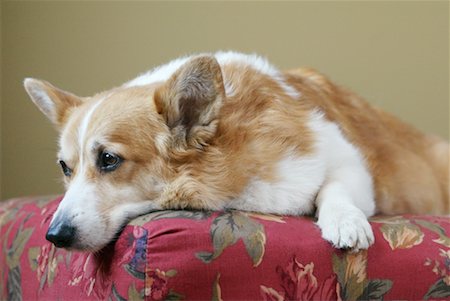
column 86, row 274
column 13, row 254
column 21, row 237
column 375, row 289
column 134, row 295
column 269, row 294
column 400, row 233
column 14, row 284
column 17, row 247
column 299, row 283
column 33, row 254
column 351, row 274
column 8, row 215
column 266, row 217
column 254, row 244
column 167, row 214
column 45, row 262
column 441, row 288
column 116, row 294
column 228, row 228
column 217, row 292
column 443, row 238
column 135, row 273
column 352, row 278
column 174, row 296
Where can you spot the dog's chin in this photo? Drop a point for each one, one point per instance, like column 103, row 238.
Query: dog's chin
column 96, row 247
column 84, row 247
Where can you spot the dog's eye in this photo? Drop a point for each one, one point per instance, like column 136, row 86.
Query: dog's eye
column 66, row 170
column 108, row 161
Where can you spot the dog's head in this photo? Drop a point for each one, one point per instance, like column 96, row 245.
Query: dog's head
column 115, row 147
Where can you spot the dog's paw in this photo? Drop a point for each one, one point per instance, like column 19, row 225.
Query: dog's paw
column 347, row 231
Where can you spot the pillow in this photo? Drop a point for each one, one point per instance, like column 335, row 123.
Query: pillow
column 195, row 255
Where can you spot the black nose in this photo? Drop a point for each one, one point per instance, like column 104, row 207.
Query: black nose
column 61, row 234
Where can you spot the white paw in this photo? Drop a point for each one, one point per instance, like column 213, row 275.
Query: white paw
column 346, row 230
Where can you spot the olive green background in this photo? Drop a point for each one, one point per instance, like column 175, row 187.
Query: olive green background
column 395, row 54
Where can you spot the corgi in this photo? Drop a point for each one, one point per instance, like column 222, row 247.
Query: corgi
column 230, row 131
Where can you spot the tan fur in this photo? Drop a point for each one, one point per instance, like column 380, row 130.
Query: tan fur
column 252, row 134
column 410, row 169
column 210, row 158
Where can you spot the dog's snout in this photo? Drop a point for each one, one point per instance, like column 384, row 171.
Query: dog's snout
column 61, row 234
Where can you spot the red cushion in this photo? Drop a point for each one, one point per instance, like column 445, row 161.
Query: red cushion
column 223, row 255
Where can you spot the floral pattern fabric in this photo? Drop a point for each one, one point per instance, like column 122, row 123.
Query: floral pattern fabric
column 230, row 255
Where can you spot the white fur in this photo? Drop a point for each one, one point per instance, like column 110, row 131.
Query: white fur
column 230, row 88
column 345, row 163
column 289, row 90
column 299, row 179
column 158, row 74
column 346, row 197
column 162, row 142
column 78, row 207
column 127, row 211
column 82, row 130
column 260, row 64
column 336, row 173
column 40, row 97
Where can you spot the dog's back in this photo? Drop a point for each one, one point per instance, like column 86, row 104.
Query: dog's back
column 410, row 169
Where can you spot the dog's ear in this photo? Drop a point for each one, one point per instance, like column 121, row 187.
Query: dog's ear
column 190, row 101
column 53, row 102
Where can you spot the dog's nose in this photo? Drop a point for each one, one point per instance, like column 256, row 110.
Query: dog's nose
column 61, row 234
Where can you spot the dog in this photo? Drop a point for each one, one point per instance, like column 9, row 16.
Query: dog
column 230, row 131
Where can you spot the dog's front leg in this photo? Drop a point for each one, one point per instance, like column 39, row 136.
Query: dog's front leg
column 342, row 208
column 187, row 193
column 173, row 199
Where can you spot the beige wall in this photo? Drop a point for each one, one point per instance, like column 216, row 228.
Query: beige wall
column 393, row 53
